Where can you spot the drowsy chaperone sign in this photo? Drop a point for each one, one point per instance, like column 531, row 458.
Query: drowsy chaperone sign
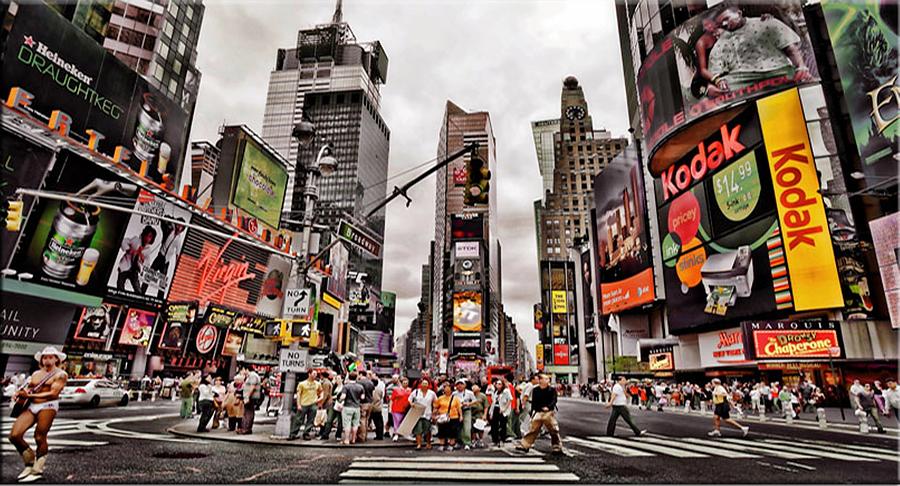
column 807, row 339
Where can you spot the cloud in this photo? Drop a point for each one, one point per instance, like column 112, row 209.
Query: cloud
column 505, row 57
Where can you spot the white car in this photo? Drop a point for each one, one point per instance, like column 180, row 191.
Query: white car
column 93, row 393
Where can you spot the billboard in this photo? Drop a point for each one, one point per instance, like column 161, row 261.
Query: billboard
column 339, row 261
column 722, row 348
column 233, row 343
column 466, row 227
column 375, row 342
column 864, row 39
column 559, row 301
column 386, row 311
column 22, row 165
column 137, row 328
column 74, row 246
column 661, row 360
column 622, row 239
column 733, row 52
column 30, row 323
column 64, row 69
column 180, row 316
column 803, row 339
column 145, row 263
column 271, row 295
column 587, row 300
column 466, row 249
column 729, row 238
column 259, row 184
column 886, row 240
column 97, row 323
column 467, row 314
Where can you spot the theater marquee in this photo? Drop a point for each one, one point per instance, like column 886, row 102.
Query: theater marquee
column 809, row 339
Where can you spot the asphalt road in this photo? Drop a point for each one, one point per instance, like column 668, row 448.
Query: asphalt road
column 130, row 445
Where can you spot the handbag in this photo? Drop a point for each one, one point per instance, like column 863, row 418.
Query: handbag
column 338, row 407
column 445, row 417
column 321, row 415
column 22, row 403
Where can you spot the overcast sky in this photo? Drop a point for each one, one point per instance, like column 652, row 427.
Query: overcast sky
column 507, row 57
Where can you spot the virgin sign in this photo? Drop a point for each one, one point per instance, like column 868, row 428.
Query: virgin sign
column 217, row 277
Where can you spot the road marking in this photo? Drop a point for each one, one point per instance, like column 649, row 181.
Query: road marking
column 776, row 466
column 801, row 466
column 750, row 448
column 461, row 476
column 715, row 451
column 838, row 448
column 464, row 459
column 428, row 469
column 808, row 450
column 613, row 449
column 449, row 466
column 669, row 451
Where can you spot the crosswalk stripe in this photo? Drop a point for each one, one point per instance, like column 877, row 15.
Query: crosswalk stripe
column 857, row 447
column 447, row 466
column 669, row 451
column 459, row 476
column 465, row 459
column 715, row 451
column 612, row 449
column 749, row 448
column 807, row 450
column 841, row 449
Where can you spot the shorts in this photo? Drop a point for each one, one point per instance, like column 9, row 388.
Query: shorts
column 422, row 427
column 721, row 411
column 449, row 430
column 350, row 417
column 34, row 408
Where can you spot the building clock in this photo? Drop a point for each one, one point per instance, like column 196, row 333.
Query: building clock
column 575, row 112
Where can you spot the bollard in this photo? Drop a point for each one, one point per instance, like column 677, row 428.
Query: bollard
column 140, row 395
column 820, row 416
column 153, row 396
column 703, row 408
column 863, row 422
column 172, row 393
column 687, row 407
column 788, row 417
column 762, row 414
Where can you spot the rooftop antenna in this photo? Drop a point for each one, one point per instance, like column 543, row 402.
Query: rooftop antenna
column 338, row 13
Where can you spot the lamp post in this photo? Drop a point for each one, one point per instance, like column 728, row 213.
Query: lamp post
column 324, row 165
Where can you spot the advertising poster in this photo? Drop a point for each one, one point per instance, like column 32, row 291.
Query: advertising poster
column 386, row 310
column 74, row 246
column 559, row 302
column 218, row 270
column 233, row 343
column 661, row 360
column 375, row 342
column 560, row 354
column 220, row 316
column 146, row 260
column 467, row 315
column 804, row 339
column 886, row 240
column 722, row 348
column 97, row 323
column 250, row 324
column 271, row 296
column 30, row 323
column 260, row 184
column 22, row 165
column 625, row 268
column 749, row 49
column 180, row 316
column 466, row 227
column 137, row 327
column 863, row 36
column 339, row 260
column 206, row 338
column 587, row 300
column 67, row 70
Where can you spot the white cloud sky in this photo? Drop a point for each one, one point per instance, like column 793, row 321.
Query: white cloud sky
column 507, row 57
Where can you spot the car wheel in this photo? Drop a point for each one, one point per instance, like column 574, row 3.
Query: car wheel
column 124, row 401
column 95, row 401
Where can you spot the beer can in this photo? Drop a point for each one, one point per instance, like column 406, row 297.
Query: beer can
column 71, row 234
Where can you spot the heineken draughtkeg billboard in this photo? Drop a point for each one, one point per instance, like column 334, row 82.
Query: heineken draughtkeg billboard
column 97, row 95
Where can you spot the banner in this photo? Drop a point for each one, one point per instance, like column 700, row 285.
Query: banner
column 271, row 295
column 137, row 327
column 624, row 265
column 467, row 313
column 150, row 247
column 864, row 39
column 66, row 70
column 22, row 165
column 339, row 261
column 260, row 184
column 30, row 323
column 886, row 240
column 805, row 339
column 97, row 323
column 807, row 241
column 587, row 307
column 74, row 246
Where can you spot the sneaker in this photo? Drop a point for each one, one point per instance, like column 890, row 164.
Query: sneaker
column 395, row 438
column 468, row 448
column 440, row 448
column 521, row 449
column 714, row 433
column 25, row 473
column 642, row 433
column 745, row 430
column 32, row 478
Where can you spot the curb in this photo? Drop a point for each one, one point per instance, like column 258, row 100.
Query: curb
column 260, row 439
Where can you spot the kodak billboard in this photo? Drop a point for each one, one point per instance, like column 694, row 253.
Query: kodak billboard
column 807, row 242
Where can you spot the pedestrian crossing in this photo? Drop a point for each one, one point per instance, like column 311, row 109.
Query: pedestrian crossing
column 450, row 469
column 656, row 445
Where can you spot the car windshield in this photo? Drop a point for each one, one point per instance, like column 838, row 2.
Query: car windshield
column 77, row 382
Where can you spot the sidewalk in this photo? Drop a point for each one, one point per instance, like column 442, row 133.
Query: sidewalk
column 263, row 429
column 803, row 420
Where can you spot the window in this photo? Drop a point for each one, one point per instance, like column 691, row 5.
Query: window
column 181, row 47
column 163, row 50
column 112, row 32
column 169, row 29
column 158, row 72
column 177, row 66
column 149, row 42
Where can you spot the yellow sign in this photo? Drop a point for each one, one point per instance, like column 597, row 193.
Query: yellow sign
column 804, row 229
column 539, row 355
column 559, row 301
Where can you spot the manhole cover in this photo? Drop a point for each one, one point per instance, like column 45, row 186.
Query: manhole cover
column 179, row 455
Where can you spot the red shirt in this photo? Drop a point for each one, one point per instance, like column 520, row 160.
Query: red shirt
column 400, row 399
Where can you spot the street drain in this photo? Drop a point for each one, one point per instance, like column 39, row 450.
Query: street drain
column 179, row 455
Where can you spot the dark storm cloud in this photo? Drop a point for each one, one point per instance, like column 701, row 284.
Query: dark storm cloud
column 505, row 57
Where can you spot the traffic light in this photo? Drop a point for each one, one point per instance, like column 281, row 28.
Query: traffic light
column 477, row 182
column 12, row 214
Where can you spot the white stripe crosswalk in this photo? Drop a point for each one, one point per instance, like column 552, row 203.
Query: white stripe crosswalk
column 463, row 469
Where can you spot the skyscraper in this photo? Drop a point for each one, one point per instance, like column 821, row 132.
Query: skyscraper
column 333, row 81
column 455, row 221
column 580, row 153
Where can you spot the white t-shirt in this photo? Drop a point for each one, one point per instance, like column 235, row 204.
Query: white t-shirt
column 619, row 395
column 426, row 400
column 205, row 391
column 855, row 390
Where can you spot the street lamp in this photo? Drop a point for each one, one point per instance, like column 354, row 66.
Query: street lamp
column 324, row 165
